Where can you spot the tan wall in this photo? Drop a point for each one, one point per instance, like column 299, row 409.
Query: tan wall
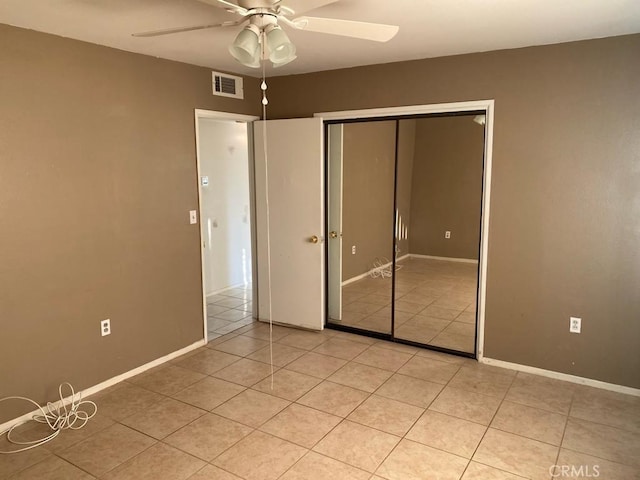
column 406, row 152
column 564, row 237
column 97, row 175
column 447, row 187
column 367, row 209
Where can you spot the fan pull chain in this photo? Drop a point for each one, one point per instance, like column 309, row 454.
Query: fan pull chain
column 263, row 85
column 265, row 102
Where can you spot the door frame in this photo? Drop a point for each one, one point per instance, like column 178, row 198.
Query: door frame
column 334, row 146
column 475, row 105
column 229, row 117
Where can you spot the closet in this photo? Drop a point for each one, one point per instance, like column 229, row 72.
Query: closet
column 404, row 227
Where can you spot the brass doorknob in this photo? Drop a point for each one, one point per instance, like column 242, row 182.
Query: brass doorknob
column 314, row 239
column 333, row 234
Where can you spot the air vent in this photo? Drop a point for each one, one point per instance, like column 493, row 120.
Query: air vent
column 227, row 85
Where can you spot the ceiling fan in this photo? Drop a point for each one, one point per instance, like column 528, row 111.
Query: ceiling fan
column 263, row 18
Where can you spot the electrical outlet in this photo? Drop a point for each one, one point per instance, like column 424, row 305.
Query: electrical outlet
column 105, row 327
column 193, row 217
column 447, row 234
column 575, row 324
column 353, row 250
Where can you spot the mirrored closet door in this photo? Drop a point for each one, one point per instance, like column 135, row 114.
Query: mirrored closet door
column 361, row 167
column 404, row 217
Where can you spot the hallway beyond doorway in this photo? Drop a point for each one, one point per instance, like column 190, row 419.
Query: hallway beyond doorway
column 229, row 310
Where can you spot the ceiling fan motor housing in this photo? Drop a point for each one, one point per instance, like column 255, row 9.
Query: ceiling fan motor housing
column 263, row 19
column 251, row 4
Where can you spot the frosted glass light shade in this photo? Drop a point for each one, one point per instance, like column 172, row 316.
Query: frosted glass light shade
column 281, row 50
column 246, row 47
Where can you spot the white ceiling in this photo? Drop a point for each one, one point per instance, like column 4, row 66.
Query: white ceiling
column 428, row 28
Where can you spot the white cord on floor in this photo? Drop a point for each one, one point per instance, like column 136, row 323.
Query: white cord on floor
column 58, row 419
column 381, row 268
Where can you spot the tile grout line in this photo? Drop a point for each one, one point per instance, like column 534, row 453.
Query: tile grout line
column 342, row 420
column 210, row 462
column 369, row 393
column 440, row 393
column 345, row 418
column 226, row 401
column 453, row 416
column 573, row 396
column 403, row 437
column 601, row 458
column 198, row 418
column 71, row 463
column 566, row 424
column 489, row 426
column 310, row 450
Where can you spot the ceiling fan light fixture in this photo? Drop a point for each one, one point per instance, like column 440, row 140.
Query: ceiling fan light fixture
column 281, row 50
column 285, row 62
column 246, row 47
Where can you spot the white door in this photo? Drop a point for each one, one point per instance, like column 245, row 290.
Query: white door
column 289, row 217
column 335, row 221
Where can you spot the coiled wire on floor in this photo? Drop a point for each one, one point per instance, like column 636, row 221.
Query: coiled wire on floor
column 382, row 268
column 71, row 416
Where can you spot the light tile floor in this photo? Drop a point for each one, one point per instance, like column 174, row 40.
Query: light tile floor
column 229, row 310
column 435, row 303
column 339, row 406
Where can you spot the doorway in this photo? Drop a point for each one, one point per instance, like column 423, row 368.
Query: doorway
column 226, row 220
column 408, row 241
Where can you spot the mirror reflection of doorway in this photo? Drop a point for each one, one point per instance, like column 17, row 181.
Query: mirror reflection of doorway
column 404, row 218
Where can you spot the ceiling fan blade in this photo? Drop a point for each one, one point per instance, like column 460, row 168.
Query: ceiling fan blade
column 301, row 6
column 348, row 28
column 229, row 5
column 168, row 31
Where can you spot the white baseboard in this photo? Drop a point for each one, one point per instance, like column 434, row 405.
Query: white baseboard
column 366, row 274
column 225, row 289
column 355, row 279
column 561, row 376
column 108, row 383
column 446, row 259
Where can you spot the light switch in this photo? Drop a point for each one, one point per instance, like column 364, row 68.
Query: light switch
column 204, row 181
column 193, row 216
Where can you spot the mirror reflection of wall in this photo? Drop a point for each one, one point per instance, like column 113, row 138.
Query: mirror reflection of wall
column 447, row 187
column 404, row 181
column 437, row 285
column 367, row 211
column 434, row 166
